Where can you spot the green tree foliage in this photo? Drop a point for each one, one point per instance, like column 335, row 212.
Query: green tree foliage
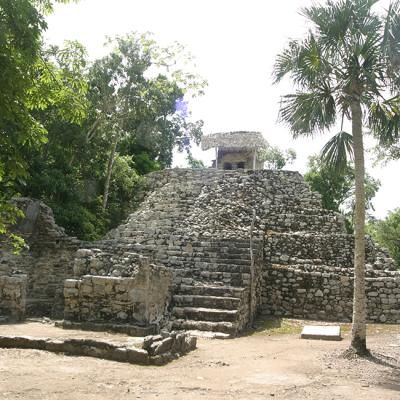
column 385, row 154
column 89, row 172
column 275, row 158
column 337, row 187
column 20, row 29
column 386, row 232
column 135, row 91
column 194, row 163
column 347, row 66
column 26, row 86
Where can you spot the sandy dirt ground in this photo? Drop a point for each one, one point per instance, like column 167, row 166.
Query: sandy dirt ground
column 267, row 364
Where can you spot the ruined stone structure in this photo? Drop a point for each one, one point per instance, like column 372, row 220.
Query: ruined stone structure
column 235, row 150
column 153, row 350
column 48, row 262
column 13, row 297
column 215, row 246
column 137, row 293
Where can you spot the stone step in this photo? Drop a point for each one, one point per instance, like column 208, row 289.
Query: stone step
column 205, row 314
column 221, row 267
column 198, row 261
column 234, row 279
column 210, row 267
column 228, row 303
column 223, row 260
column 242, row 259
column 188, row 275
column 207, row 326
column 215, row 279
column 221, row 249
column 212, row 290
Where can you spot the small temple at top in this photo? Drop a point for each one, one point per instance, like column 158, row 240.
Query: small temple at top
column 236, row 150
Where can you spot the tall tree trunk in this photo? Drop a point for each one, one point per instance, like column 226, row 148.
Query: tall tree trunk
column 358, row 332
column 110, row 164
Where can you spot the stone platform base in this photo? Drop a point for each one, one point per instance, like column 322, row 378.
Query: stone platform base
column 157, row 350
column 131, row 330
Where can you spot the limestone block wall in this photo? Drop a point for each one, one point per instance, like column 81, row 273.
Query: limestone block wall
column 326, row 293
column 13, row 296
column 142, row 298
column 109, row 261
column 334, row 249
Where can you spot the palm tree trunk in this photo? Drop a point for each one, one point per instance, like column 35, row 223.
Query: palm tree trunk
column 110, row 164
column 358, row 332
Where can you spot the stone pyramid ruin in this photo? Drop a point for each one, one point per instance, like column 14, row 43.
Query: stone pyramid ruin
column 206, row 250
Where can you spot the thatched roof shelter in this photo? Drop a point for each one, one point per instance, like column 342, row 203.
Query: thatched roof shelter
column 234, row 140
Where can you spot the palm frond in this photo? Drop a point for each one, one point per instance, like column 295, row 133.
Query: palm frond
column 331, row 20
column 305, row 64
column 338, row 152
column 390, row 46
column 307, row 113
column 286, row 61
column 384, row 120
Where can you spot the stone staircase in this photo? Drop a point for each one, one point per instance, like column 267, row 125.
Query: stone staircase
column 212, row 290
column 213, row 287
column 187, row 223
column 212, row 280
column 197, row 222
column 214, row 308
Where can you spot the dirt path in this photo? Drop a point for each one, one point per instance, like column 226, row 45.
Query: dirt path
column 260, row 366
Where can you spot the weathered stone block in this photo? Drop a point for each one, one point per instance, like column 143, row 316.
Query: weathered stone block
column 137, row 356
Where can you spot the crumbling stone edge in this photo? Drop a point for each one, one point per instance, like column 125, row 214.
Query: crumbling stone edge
column 131, row 330
column 157, row 350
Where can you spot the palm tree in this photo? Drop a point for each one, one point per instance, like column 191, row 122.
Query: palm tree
column 346, row 67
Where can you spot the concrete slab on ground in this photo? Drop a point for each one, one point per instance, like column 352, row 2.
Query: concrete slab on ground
column 321, row 332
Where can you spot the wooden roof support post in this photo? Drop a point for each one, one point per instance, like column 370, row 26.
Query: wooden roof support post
column 254, row 158
column 216, row 157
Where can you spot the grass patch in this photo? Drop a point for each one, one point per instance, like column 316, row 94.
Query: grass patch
column 278, row 326
column 288, row 326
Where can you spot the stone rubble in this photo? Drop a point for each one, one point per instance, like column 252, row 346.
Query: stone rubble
column 156, row 350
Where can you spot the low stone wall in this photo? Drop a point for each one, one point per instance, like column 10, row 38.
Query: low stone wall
column 47, row 260
column 140, row 299
column 109, row 261
column 326, row 293
column 13, row 296
column 157, row 350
